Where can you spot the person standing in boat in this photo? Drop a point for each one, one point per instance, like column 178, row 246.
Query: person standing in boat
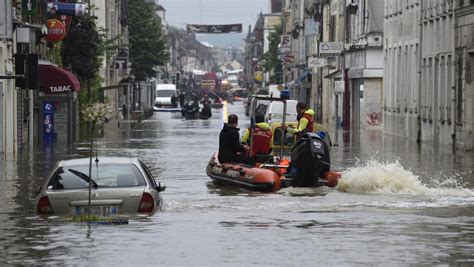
column 230, row 149
column 262, row 137
column 305, row 121
column 181, row 98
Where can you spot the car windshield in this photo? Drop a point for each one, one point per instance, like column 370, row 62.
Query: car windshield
column 107, row 175
column 165, row 93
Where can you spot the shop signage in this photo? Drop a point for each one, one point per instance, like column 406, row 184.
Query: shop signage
column 56, row 31
column 339, row 87
column 330, row 48
column 224, row 28
column 68, row 9
column 288, row 58
column 48, row 122
column 60, row 89
column 317, row 62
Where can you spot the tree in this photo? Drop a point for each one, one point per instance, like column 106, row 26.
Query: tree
column 83, row 49
column 271, row 61
column 147, row 45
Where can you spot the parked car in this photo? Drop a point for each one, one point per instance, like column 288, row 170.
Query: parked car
column 119, row 186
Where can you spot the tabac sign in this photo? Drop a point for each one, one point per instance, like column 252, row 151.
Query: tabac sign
column 225, row 28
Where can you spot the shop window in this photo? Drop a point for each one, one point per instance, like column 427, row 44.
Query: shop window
column 470, row 67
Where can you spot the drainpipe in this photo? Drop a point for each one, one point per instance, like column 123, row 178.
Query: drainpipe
column 346, row 111
column 420, row 73
column 454, row 79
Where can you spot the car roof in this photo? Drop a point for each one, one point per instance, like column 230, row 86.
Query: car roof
column 166, row 86
column 117, row 160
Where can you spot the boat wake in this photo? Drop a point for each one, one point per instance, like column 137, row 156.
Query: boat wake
column 374, row 177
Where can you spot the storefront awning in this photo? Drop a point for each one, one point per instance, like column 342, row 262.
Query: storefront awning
column 56, row 80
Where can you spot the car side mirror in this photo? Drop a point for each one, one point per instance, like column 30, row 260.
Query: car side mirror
column 160, row 187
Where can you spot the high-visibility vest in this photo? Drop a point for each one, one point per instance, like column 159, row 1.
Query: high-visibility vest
column 309, row 127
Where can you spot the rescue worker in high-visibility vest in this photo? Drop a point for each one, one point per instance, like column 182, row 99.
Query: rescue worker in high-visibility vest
column 305, row 121
column 262, row 137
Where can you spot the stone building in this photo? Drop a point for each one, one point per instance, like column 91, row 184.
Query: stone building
column 464, row 74
column 418, row 97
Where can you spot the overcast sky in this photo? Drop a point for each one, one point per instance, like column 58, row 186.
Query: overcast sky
column 181, row 12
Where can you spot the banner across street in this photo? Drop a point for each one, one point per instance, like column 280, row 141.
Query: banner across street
column 223, row 28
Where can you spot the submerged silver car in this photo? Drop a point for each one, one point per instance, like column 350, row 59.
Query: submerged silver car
column 119, row 186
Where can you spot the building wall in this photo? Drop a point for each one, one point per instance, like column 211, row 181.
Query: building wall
column 401, row 105
column 419, row 87
column 437, row 98
column 8, row 106
column 365, row 35
column 464, row 93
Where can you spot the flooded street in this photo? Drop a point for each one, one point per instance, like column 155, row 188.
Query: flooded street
column 397, row 203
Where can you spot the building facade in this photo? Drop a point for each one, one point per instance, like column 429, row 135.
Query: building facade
column 419, row 99
column 464, row 74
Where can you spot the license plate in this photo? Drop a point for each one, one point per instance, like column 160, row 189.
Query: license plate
column 104, row 211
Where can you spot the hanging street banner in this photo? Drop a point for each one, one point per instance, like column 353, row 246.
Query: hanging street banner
column 223, row 28
column 69, row 9
column 285, row 44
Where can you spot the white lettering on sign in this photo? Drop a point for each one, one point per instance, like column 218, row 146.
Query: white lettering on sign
column 60, row 89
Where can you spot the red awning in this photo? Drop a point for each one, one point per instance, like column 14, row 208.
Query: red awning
column 55, row 80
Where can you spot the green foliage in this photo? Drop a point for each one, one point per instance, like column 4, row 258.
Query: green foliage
column 95, row 84
column 54, row 53
column 147, row 45
column 271, row 61
column 83, row 47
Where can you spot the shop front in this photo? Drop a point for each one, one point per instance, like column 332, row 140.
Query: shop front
column 57, row 101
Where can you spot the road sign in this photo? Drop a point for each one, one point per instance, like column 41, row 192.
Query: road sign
column 331, row 48
column 317, row 62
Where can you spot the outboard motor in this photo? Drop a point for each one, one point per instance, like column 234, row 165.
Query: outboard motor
column 309, row 160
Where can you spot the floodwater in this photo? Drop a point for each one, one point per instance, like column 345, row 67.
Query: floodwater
column 398, row 203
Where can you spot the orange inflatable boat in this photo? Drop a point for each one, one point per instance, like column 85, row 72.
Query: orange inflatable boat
column 261, row 177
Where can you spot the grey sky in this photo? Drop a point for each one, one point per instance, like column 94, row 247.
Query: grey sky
column 181, row 12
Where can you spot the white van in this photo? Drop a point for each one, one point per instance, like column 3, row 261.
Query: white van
column 164, row 92
column 274, row 111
